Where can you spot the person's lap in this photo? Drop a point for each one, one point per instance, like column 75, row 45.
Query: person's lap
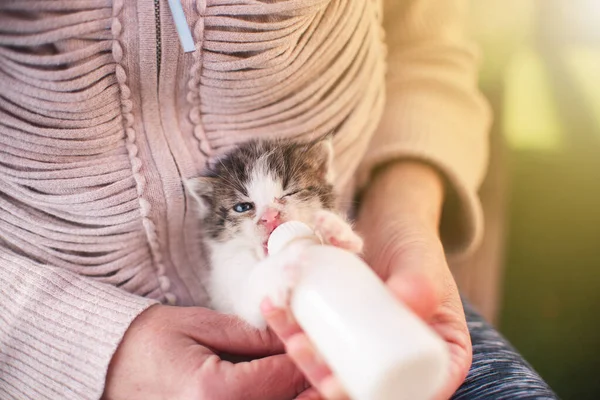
column 498, row 370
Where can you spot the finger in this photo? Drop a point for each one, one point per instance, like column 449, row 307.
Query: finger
column 302, row 351
column 227, row 333
column 451, row 325
column 314, row 368
column 461, row 358
column 445, row 316
column 269, row 378
column 310, row 394
column 313, row 394
column 280, row 320
column 297, row 344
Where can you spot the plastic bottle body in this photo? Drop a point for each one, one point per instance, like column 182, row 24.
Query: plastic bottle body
column 377, row 348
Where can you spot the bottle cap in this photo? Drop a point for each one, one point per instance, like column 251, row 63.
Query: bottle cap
column 285, row 233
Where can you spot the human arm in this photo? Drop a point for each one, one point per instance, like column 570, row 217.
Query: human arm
column 406, row 251
column 404, row 248
column 175, row 353
column 58, row 330
column 434, row 112
column 419, row 178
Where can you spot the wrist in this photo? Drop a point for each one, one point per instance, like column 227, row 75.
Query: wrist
column 123, row 360
column 403, row 191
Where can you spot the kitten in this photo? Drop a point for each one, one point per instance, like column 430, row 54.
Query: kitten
column 243, row 198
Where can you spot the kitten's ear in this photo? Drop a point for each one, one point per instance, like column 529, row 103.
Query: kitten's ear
column 201, row 189
column 215, row 160
column 322, row 151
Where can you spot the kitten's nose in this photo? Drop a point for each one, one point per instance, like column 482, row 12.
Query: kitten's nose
column 270, row 219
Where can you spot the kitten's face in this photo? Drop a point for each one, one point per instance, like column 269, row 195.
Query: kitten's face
column 261, row 185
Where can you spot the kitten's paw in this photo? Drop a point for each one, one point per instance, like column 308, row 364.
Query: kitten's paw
column 337, row 232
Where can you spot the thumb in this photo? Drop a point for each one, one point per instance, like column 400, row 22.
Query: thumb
column 418, row 274
column 416, row 290
column 229, row 334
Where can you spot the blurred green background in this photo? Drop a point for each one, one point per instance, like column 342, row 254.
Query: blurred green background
column 541, row 72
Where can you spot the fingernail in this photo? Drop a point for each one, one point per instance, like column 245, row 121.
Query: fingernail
column 267, row 306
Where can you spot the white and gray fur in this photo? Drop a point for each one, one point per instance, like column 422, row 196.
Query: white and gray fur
column 296, row 180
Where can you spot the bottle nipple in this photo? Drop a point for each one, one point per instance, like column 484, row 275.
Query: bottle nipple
column 286, row 233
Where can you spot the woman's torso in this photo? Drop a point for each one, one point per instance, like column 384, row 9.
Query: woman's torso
column 102, row 116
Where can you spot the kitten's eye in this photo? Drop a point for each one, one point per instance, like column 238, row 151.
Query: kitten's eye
column 292, row 193
column 243, row 207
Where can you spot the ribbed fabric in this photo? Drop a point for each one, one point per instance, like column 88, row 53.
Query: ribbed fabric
column 59, row 334
column 434, row 112
column 498, row 371
column 96, row 137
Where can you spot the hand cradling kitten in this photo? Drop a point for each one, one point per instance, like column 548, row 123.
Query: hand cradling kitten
column 243, row 197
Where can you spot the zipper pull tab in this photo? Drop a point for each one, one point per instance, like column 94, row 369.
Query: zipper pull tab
column 185, row 35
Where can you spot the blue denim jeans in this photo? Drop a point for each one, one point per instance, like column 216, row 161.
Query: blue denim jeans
column 498, row 371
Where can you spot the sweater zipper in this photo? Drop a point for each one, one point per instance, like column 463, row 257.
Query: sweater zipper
column 183, row 30
column 158, row 39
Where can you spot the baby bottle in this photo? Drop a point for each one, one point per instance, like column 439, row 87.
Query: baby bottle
column 376, row 347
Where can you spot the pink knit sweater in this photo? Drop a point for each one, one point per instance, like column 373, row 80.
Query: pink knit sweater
column 102, row 115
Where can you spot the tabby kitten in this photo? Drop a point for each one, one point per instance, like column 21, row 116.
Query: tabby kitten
column 244, row 196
